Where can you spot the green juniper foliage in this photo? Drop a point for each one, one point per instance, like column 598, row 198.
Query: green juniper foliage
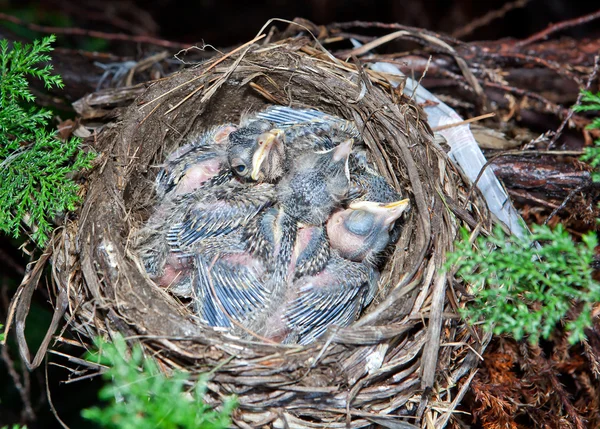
column 591, row 102
column 34, row 165
column 526, row 291
column 141, row 396
column 2, row 334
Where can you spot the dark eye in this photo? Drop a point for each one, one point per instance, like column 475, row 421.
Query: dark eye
column 240, row 169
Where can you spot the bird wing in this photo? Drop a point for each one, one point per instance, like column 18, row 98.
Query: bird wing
column 369, row 186
column 176, row 166
column 284, row 116
column 218, row 211
column 310, row 128
column 227, row 288
column 334, row 297
column 315, row 254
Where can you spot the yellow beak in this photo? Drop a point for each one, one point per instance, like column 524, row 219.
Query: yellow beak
column 265, row 144
column 389, row 212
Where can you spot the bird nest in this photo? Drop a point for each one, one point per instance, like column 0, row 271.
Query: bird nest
column 407, row 358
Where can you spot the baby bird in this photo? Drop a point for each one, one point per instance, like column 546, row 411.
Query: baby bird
column 234, row 283
column 307, row 195
column 301, row 123
column 229, row 284
column 315, row 184
column 367, row 185
column 184, row 220
column 217, row 210
column 190, row 166
column 164, row 266
column 337, row 293
column 256, row 151
column 296, row 130
column 309, row 129
column 362, row 231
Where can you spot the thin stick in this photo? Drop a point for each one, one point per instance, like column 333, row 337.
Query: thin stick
column 590, row 80
column 213, row 65
column 553, row 28
column 565, row 202
column 187, row 97
column 49, row 396
column 92, row 33
column 466, row 121
column 488, row 18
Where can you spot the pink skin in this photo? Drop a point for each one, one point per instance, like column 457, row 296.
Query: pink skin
column 174, row 271
column 222, row 135
column 277, row 329
column 200, row 173
column 339, row 237
column 197, row 175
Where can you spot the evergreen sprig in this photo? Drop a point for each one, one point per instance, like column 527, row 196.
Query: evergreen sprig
column 591, row 102
column 524, row 290
column 35, row 167
column 139, row 395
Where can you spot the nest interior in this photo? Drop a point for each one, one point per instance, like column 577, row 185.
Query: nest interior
column 399, row 361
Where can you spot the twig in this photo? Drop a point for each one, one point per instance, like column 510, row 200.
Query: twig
column 565, row 202
column 488, row 17
column 412, row 96
column 466, row 121
column 431, row 40
column 555, row 108
column 23, row 390
column 50, row 398
column 361, row 50
column 416, row 30
column 553, row 28
column 201, row 75
column 588, row 84
column 492, row 159
column 71, row 31
column 556, row 67
column 262, row 91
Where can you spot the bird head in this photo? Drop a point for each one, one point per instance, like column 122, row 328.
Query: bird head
column 333, row 160
column 256, row 151
column 362, row 231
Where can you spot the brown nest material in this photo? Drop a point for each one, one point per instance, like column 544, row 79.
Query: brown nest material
column 408, row 360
